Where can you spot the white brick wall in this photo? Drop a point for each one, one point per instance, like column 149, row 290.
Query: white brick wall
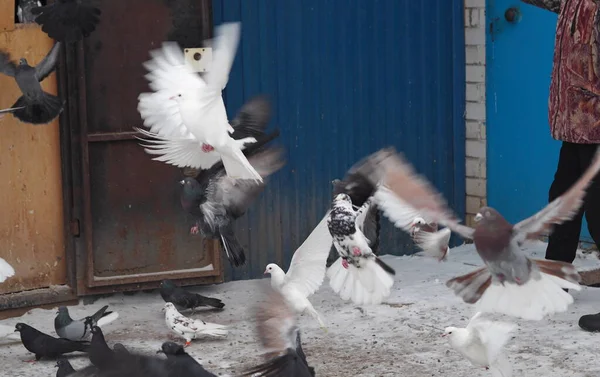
column 475, row 107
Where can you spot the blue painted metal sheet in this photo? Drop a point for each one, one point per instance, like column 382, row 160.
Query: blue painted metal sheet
column 521, row 154
column 346, row 78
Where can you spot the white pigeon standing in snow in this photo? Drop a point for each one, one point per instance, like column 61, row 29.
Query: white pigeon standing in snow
column 6, row 271
column 482, row 342
column 359, row 274
column 189, row 328
column 306, row 272
column 186, row 113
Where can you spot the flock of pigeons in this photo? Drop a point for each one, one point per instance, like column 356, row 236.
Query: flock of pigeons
column 187, row 126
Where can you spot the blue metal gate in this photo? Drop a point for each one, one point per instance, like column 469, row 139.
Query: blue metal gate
column 347, row 77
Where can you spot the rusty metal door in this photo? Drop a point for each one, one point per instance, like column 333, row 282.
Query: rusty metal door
column 132, row 230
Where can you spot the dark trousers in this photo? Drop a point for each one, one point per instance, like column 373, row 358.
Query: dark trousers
column 573, row 160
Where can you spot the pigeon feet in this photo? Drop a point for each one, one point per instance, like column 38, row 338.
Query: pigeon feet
column 345, row 263
column 356, row 251
column 194, row 229
column 206, row 148
column 187, row 343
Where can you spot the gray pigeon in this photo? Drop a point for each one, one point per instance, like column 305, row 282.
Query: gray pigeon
column 510, row 282
column 80, row 329
column 24, row 10
column 35, row 106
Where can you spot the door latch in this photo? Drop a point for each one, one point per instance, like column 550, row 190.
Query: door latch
column 199, row 58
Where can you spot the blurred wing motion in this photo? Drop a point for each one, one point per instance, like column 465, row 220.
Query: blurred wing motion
column 67, row 20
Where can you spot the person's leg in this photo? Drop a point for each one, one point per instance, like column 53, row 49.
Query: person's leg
column 564, row 239
column 591, row 322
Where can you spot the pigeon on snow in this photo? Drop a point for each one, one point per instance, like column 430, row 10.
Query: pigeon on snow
column 306, row 272
column 186, row 112
column 481, row 342
column 189, row 328
column 80, row 329
column 280, row 336
column 35, row 106
column 6, row 270
column 64, row 367
column 67, row 20
column 510, row 283
column 216, row 200
column 24, row 8
column 187, row 365
column 184, row 299
column 43, row 345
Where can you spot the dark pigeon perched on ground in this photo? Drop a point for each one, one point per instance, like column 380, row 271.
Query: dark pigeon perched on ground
column 510, row 282
column 67, row 328
column 278, row 332
column 43, row 345
column 183, row 299
column 64, row 367
column 101, row 356
column 35, row 106
column 187, row 365
column 67, row 20
column 216, row 200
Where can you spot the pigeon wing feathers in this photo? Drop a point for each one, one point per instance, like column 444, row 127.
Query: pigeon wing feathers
column 224, row 45
column 307, row 268
column 493, row 335
column 184, row 324
column 236, row 195
column 561, row 209
column 7, row 66
column 180, row 152
column 275, row 321
column 6, row 271
column 398, row 176
column 47, row 65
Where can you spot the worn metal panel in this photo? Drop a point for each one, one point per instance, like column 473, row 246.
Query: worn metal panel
column 31, row 224
column 346, row 78
column 133, row 228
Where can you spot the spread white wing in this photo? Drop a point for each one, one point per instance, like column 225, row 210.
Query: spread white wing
column 6, row 270
column 307, row 268
column 493, row 335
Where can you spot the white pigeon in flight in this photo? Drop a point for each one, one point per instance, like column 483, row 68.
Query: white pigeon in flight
column 186, row 113
column 6, row 271
column 306, row 272
column 189, row 328
column 482, row 342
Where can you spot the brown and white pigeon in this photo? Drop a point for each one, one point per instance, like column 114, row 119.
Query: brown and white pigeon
column 510, row 282
column 280, row 336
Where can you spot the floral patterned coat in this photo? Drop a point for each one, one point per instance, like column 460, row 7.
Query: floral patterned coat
column 574, row 103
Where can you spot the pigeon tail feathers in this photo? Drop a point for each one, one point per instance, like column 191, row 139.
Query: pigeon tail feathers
column 237, row 166
column 107, row 318
column 501, row 367
column 232, row 247
column 41, row 110
column 353, row 283
column 541, row 295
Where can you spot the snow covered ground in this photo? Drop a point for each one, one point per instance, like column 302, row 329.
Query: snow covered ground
column 399, row 338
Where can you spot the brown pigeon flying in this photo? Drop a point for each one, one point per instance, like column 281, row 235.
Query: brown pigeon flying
column 510, row 283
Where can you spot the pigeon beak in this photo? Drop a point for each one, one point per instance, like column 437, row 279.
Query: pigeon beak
column 160, row 351
column 478, row 217
column 266, row 272
column 443, row 335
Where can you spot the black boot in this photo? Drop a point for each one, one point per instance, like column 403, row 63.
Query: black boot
column 590, row 322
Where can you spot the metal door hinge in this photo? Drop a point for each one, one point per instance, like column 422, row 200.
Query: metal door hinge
column 199, row 58
column 75, row 227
